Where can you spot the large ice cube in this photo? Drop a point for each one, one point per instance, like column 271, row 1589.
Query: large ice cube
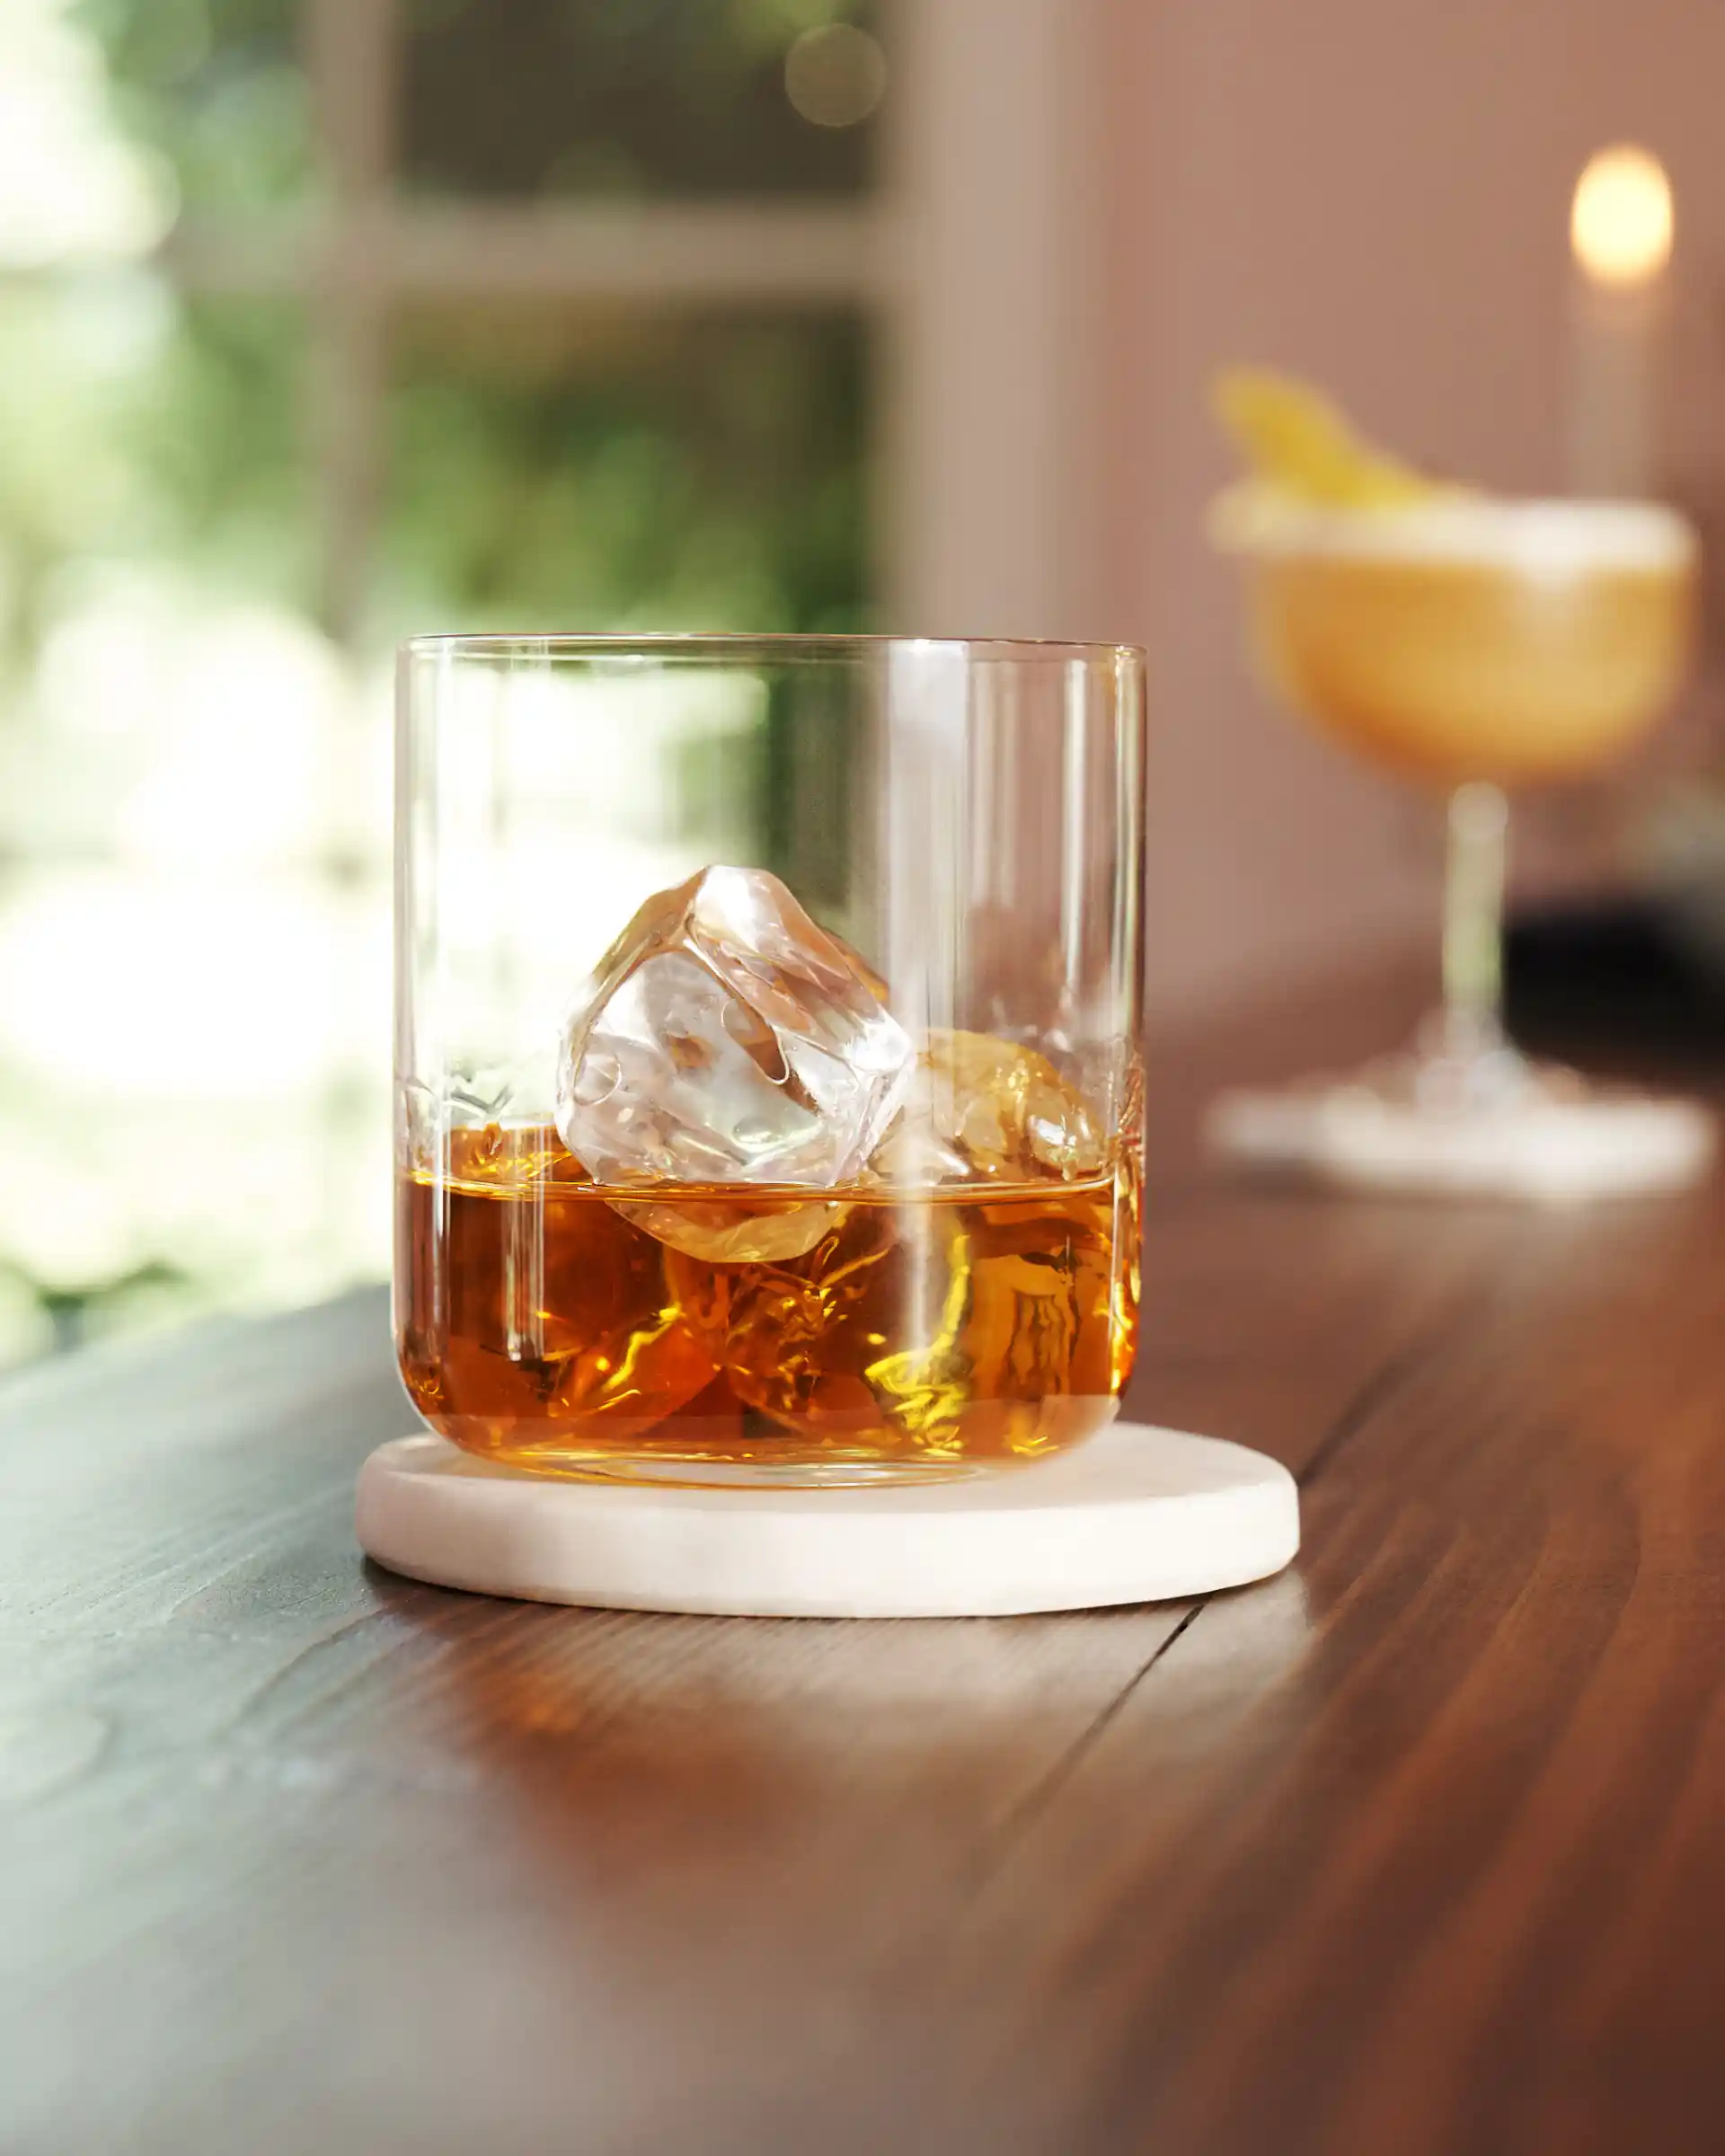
column 942, row 1324
column 725, row 1039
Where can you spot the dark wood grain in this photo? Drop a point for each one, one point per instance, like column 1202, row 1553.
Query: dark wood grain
column 1420, row 1848
column 1427, row 1849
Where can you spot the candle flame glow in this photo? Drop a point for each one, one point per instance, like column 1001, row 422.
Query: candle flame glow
column 1621, row 223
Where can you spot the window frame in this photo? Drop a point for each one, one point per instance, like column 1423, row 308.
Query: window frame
column 975, row 259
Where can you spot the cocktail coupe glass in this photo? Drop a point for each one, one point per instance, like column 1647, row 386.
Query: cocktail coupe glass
column 767, row 1067
column 1471, row 646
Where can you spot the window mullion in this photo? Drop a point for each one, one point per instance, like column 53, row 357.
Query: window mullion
column 352, row 64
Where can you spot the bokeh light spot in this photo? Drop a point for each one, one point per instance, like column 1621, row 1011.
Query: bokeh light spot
column 1622, row 222
column 834, row 76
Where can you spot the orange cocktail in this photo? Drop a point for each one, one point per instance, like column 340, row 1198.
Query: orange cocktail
column 1469, row 644
column 1463, row 639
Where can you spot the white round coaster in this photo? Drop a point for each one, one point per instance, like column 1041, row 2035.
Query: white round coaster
column 1137, row 1515
column 1556, row 1151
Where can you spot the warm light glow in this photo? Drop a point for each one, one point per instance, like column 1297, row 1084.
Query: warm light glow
column 1621, row 225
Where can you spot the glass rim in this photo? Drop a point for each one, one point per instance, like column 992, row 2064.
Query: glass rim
column 752, row 648
column 1520, row 531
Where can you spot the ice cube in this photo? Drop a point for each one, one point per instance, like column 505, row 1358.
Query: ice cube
column 987, row 1110
column 981, row 1318
column 926, row 1323
column 740, row 1231
column 725, row 1039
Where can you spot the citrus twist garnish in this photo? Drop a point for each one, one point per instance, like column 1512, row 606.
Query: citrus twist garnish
column 1297, row 442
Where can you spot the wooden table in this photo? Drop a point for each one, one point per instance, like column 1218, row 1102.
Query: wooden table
column 1419, row 1847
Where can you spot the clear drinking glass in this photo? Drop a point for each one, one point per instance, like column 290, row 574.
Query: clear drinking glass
column 767, row 1064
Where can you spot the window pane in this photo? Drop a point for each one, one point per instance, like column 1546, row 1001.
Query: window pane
column 193, row 967
column 582, row 471
column 589, row 470
column 211, row 91
column 194, row 797
column 571, row 97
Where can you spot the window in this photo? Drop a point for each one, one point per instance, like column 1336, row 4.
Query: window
column 337, row 321
column 321, row 321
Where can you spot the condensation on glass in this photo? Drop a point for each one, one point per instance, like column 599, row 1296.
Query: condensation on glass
column 767, row 1067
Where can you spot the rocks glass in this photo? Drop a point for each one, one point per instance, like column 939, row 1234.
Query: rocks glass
column 767, row 1064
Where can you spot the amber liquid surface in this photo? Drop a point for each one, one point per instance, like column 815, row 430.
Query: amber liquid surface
column 959, row 1327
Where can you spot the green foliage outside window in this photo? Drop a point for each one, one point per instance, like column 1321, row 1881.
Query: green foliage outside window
column 161, row 518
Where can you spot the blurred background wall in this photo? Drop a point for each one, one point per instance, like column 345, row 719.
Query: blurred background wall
column 323, row 321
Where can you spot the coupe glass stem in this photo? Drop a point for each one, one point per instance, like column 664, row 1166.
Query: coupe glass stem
column 1474, row 884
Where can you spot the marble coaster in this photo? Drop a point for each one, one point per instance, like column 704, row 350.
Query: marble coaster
column 1554, row 1151
column 1137, row 1515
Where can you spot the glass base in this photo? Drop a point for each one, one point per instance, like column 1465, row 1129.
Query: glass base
column 684, row 1452
column 710, row 1475
column 1468, row 1118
